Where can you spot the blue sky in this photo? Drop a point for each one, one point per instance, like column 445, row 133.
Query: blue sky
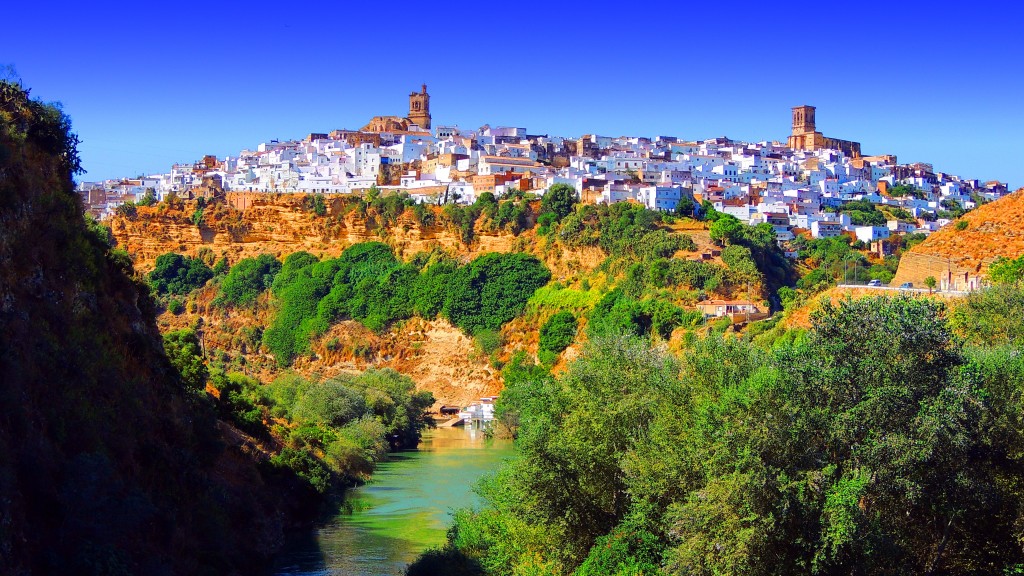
column 152, row 85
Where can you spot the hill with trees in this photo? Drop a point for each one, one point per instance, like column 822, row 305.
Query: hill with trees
column 877, row 442
column 970, row 244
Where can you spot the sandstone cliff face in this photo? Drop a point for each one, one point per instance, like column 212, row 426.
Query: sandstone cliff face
column 993, row 230
column 252, row 224
column 438, row 356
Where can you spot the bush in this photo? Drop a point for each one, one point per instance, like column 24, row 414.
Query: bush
column 247, row 279
column 305, row 466
column 127, row 210
column 177, row 274
column 315, row 203
column 487, row 341
column 148, row 198
column 197, row 217
column 493, row 289
column 184, row 352
column 368, row 284
column 558, row 332
column 175, row 306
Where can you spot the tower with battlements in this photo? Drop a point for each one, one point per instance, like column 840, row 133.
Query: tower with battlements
column 419, row 108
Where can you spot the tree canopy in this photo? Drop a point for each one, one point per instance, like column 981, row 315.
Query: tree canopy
column 877, row 444
column 177, row 274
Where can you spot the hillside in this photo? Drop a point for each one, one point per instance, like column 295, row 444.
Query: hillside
column 109, row 464
column 438, row 356
column 249, row 224
column 992, row 230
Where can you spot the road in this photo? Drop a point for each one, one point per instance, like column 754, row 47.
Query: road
column 911, row 290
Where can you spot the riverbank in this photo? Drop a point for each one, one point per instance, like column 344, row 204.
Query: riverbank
column 403, row 510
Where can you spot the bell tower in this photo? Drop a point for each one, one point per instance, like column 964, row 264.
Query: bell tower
column 419, row 108
column 803, row 120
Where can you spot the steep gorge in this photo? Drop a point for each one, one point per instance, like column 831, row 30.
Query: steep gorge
column 108, row 463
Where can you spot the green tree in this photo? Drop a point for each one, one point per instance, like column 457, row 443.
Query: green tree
column 127, row 210
column 559, row 200
column 930, row 282
column 148, row 198
column 316, row 204
column 685, row 206
column 247, row 279
column 726, row 229
column 1006, row 270
column 184, row 352
column 493, row 289
column 177, row 274
column 558, row 332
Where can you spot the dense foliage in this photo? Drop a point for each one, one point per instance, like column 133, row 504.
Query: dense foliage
column 177, row 274
column 863, row 213
column 336, row 430
column 558, row 332
column 368, row 284
column 877, row 444
column 248, row 279
column 110, row 461
column 559, row 200
column 492, row 290
column 1006, row 270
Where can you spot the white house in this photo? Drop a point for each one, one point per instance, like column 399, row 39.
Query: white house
column 871, row 233
column 662, row 198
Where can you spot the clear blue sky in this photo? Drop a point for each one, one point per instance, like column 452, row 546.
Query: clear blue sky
column 150, row 85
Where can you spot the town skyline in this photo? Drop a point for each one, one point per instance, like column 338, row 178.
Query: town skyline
column 140, row 102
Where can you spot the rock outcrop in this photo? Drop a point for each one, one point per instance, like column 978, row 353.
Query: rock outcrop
column 249, row 224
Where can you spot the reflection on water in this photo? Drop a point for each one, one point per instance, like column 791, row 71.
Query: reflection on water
column 403, row 510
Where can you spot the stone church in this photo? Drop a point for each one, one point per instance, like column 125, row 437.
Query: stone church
column 419, row 116
column 806, row 137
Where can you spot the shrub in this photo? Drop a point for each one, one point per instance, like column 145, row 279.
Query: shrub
column 177, row 274
column 197, row 217
column 558, row 332
column 127, row 210
column 175, row 306
column 305, row 466
column 493, row 289
column 248, row 279
column 183, row 350
column 315, row 203
column 487, row 341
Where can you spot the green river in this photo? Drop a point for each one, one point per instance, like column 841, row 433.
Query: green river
column 404, row 509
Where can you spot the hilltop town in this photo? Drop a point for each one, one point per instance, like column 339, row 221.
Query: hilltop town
column 799, row 185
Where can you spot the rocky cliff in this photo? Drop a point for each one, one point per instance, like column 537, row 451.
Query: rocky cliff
column 249, row 224
column 438, row 356
column 108, row 464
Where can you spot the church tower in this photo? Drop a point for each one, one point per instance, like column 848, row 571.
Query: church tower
column 803, row 120
column 419, row 108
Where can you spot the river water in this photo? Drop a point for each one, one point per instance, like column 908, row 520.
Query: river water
column 404, row 509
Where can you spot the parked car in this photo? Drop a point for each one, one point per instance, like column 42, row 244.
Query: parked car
column 875, row 282
column 906, row 285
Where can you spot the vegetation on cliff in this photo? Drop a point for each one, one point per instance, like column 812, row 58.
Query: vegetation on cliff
column 878, row 444
column 111, row 460
column 367, row 283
